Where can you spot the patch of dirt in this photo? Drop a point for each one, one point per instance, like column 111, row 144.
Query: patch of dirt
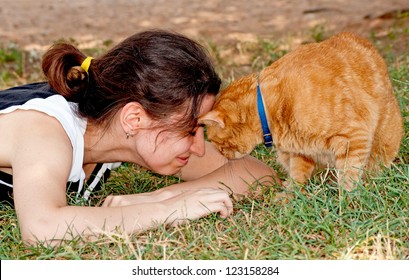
column 36, row 24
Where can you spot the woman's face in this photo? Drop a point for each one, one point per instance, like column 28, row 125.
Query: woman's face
column 166, row 152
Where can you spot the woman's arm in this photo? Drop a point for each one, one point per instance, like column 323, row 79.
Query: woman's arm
column 214, row 171
column 237, row 174
column 41, row 163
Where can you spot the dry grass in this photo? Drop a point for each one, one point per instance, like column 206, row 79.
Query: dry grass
column 369, row 223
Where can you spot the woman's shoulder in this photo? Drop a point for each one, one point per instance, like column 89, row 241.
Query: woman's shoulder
column 45, row 109
column 29, row 131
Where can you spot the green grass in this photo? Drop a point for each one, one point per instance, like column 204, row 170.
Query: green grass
column 325, row 223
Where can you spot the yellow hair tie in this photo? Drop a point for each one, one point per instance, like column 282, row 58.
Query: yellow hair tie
column 86, row 63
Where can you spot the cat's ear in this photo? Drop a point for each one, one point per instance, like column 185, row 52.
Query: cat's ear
column 213, row 118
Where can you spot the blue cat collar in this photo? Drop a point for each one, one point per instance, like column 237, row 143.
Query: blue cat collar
column 268, row 139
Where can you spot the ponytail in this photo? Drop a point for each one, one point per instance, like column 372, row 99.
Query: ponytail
column 61, row 66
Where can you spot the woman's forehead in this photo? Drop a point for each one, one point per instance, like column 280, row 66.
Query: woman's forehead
column 207, row 104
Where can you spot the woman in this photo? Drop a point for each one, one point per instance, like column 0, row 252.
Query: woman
column 137, row 103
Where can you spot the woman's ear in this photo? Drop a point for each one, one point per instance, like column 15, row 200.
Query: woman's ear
column 133, row 116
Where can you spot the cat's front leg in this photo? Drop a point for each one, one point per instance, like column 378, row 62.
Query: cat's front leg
column 298, row 167
column 301, row 168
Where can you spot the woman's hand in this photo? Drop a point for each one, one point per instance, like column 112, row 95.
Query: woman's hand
column 178, row 205
column 194, row 204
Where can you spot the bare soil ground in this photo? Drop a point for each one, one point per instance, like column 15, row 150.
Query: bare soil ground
column 36, row 24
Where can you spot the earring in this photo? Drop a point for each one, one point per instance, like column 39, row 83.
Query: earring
column 127, row 135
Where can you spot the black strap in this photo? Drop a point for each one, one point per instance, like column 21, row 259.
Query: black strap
column 6, row 192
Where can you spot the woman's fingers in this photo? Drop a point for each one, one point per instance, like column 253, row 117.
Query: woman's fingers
column 188, row 205
column 225, row 205
column 200, row 203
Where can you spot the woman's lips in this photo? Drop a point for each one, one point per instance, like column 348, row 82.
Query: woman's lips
column 183, row 160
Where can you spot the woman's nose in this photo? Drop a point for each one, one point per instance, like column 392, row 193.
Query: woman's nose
column 198, row 145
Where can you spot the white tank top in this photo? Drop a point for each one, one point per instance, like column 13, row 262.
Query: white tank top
column 65, row 112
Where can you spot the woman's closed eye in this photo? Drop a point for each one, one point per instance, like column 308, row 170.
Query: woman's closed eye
column 193, row 132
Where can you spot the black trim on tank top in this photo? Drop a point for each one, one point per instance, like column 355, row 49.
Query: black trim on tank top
column 21, row 94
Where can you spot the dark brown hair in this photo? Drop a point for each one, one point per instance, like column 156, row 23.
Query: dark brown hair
column 165, row 72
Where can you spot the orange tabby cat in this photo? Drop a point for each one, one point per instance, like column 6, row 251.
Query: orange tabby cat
column 328, row 103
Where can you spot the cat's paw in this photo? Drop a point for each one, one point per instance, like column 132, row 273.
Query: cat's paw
column 289, row 184
column 348, row 185
column 283, row 197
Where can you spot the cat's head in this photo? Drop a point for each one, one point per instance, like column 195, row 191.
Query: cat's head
column 232, row 125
